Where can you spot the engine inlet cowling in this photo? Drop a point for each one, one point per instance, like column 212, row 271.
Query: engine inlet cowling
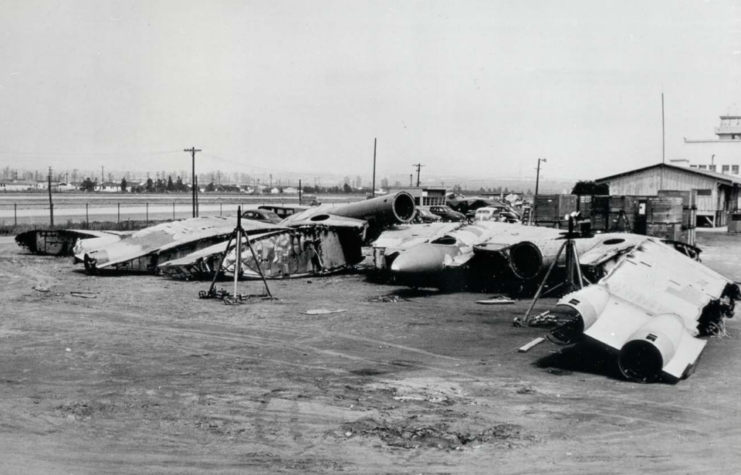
column 526, row 259
column 585, row 306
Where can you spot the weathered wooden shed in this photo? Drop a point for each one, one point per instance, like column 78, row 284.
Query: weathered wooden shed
column 717, row 193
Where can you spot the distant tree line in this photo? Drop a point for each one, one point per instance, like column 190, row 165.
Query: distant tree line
column 589, row 187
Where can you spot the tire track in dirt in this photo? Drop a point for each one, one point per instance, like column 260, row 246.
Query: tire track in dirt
column 13, row 271
column 114, row 320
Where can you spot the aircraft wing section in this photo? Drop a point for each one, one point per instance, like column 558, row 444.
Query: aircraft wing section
column 686, row 358
column 650, row 307
column 660, row 280
column 312, row 217
column 515, row 234
column 609, row 247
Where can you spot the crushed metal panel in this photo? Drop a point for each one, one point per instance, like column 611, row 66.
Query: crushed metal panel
column 203, row 260
column 301, row 252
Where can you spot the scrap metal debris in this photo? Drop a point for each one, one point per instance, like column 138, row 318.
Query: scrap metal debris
column 84, row 295
column 544, row 319
column 531, row 345
column 41, row 289
column 391, row 298
column 229, row 299
column 324, row 311
column 496, row 301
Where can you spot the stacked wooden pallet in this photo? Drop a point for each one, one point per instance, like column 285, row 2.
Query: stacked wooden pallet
column 550, row 210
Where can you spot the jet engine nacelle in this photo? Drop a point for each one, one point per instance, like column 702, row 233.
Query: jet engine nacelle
column 649, row 349
column 383, row 210
column 528, row 259
column 589, row 303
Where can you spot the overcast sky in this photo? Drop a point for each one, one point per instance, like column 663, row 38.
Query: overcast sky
column 477, row 88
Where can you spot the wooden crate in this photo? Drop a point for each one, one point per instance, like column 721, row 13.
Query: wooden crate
column 600, row 216
column 553, row 207
column 584, row 206
column 671, row 231
column 665, row 210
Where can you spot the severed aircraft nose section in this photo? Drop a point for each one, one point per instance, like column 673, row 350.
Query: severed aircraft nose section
column 420, row 259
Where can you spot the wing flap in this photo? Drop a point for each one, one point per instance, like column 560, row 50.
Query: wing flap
column 686, row 357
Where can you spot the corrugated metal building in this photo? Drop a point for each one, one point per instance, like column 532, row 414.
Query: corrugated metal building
column 717, row 193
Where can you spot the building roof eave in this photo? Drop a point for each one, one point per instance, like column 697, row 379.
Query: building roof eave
column 726, row 179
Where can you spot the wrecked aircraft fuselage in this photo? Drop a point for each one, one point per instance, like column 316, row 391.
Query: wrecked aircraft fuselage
column 61, row 242
column 300, row 252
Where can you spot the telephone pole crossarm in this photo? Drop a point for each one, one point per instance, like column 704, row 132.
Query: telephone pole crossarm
column 419, row 168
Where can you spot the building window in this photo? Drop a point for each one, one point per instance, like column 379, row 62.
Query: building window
column 703, row 167
column 734, row 169
column 726, row 168
column 704, row 192
column 693, row 166
column 711, row 168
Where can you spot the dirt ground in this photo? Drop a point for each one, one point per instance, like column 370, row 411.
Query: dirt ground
column 143, row 377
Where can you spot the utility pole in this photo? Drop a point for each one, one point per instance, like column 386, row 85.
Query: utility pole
column 102, row 177
column 663, row 144
column 419, row 168
column 51, row 205
column 537, row 176
column 299, row 192
column 373, row 186
column 193, row 151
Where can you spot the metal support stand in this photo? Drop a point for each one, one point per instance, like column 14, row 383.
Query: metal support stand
column 573, row 280
column 236, row 236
